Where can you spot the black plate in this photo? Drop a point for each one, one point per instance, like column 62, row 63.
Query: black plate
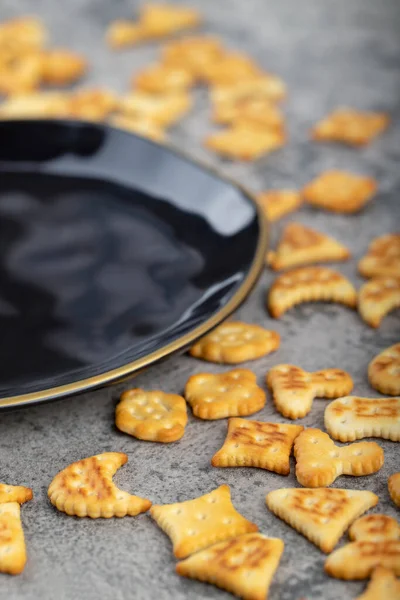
column 115, row 252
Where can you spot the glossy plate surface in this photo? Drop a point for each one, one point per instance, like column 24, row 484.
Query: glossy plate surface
column 115, row 252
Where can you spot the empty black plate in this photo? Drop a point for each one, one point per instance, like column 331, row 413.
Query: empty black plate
column 115, row 252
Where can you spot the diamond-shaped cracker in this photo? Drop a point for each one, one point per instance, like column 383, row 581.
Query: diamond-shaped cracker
column 85, row 489
column 163, row 109
column 377, row 543
column 15, row 493
column 377, row 298
column 382, row 258
column 353, row 418
column 394, row 488
column 350, row 126
column 309, row 284
column 340, row 191
column 245, row 141
column 194, row 54
column 383, row 586
column 319, row 461
column 322, row 515
column 384, row 371
column 278, row 203
column 293, row 389
column 199, row 523
column 12, row 543
column 235, row 342
column 163, row 79
column 153, row 416
column 145, row 127
column 301, row 245
column 257, row 444
column 230, row 394
column 243, row 566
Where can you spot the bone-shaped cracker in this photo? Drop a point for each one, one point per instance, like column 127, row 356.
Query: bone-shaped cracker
column 384, row 371
column 350, row 126
column 319, row 461
column 353, row 418
column 383, row 585
column 309, row 284
column 12, row 542
column 15, row 493
column 394, row 488
column 377, row 543
column 278, row 203
column 340, row 191
column 85, row 489
column 377, row 298
column 293, row 389
column 382, row 258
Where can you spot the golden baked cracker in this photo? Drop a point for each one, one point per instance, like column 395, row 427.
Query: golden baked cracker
column 230, row 394
column 15, row 493
column 93, row 104
column 244, row 566
column 253, row 84
column 301, row 245
column 163, row 109
column 257, row 444
column 193, row 54
column 394, row 488
column 162, row 79
column 22, row 76
column 245, row 141
column 86, row 489
column 309, row 284
column 230, row 68
column 259, row 111
column 319, row 461
column 153, row 416
column 122, row 33
column 353, row 418
column 34, row 105
column 235, row 342
column 196, row 524
column 377, row 298
column 138, row 125
column 278, row 203
column 22, row 34
column 293, row 389
column 340, row 191
column 384, row 371
column 161, row 20
column 62, row 67
column 383, row 586
column 12, row 542
column 377, row 543
column 322, row 515
column 382, row 258
column 353, row 127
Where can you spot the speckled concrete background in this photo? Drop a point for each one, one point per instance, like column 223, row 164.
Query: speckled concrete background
column 329, row 53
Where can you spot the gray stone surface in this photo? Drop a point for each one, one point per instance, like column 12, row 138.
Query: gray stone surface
column 329, row 53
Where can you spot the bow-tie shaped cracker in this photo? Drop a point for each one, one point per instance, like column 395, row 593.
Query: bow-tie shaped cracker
column 376, row 543
column 295, row 389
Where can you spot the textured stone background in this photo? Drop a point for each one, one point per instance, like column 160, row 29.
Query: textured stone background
column 330, row 53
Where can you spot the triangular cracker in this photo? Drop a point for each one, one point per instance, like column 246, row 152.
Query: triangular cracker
column 319, row 461
column 377, row 543
column 243, row 566
column 12, row 543
column 301, row 245
column 377, row 298
column 322, row 515
column 382, row 258
column 15, row 493
column 384, row 585
column 85, row 489
column 196, row 524
column 257, row 444
column 394, row 488
column 384, row 371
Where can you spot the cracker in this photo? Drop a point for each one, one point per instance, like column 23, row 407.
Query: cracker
column 259, row 111
column 235, row 342
column 162, row 79
column 319, row 462
column 140, row 126
column 353, row 418
column 243, row 566
column 12, row 542
column 15, row 493
column 383, row 586
column 245, row 141
column 230, row 68
column 194, row 54
column 22, row 76
column 301, row 245
column 122, row 34
column 349, row 126
column 257, row 444
column 196, row 524
column 163, row 109
column 93, row 104
column 230, row 394
column 377, row 543
column 293, row 389
column 382, row 258
column 309, row 284
column 340, row 191
column 22, row 34
column 85, row 489
column 278, row 203
column 153, row 416
column 62, row 67
column 322, row 515
column 377, row 298
column 394, row 488
column 384, row 371
column 259, row 85
column 162, row 20
column 34, row 105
